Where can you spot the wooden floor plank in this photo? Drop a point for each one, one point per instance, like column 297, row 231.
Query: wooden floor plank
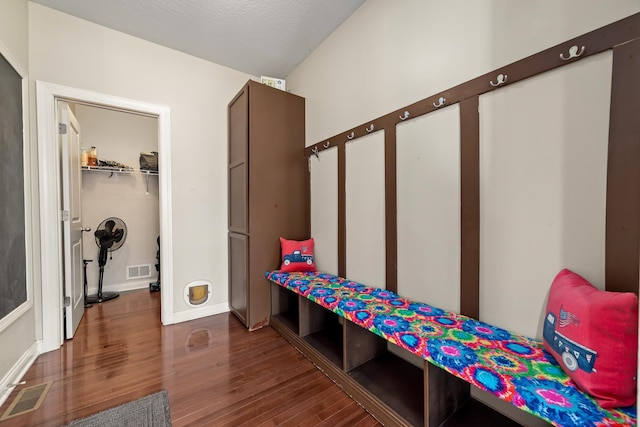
column 214, row 370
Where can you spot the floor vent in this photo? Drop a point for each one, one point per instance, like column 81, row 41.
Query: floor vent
column 138, row 271
column 29, row 399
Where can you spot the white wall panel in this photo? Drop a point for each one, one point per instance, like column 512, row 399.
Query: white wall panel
column 324, row 209
column 428, row 208
column 365, row 217
column 543, row 156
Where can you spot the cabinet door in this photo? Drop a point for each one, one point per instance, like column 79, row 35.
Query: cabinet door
column 238, row 260
column 238, row 162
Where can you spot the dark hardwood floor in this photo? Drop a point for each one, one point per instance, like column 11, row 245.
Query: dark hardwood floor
column 215, row 372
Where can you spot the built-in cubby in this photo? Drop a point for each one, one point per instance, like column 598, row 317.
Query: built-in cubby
column 322, row 330
column 284, row 308
column 395, row 386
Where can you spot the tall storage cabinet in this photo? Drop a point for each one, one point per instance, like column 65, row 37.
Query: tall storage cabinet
column 267, row 192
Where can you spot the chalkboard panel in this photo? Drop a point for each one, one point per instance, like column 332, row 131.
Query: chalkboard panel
column 13, row 282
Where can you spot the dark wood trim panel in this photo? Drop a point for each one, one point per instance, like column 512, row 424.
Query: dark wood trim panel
column 444, row 394
column 622, row 248
column 470, row 208
column 391, row 212
column 307, row 196
column 342, row 214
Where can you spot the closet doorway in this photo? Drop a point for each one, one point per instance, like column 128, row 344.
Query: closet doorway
column 90, row 106
column 116, row 187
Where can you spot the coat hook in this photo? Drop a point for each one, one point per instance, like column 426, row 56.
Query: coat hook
column 326, row 144
column 500, row 80
column 315, row 151
column 351, row 135
column 573, row 53
column 440, row 103
column 405, row 116
column 370, row 128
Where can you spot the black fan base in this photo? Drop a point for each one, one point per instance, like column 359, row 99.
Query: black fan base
column 106, row 296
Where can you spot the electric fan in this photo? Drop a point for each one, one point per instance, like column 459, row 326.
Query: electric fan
column 110, row 236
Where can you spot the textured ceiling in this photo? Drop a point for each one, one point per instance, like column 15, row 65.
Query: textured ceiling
column 258, row 37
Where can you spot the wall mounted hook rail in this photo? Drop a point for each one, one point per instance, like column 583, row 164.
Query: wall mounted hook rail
column 440, row 103
column 573, row 53
column 500, row 80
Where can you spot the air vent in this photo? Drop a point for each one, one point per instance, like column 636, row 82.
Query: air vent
column 138, row 271
column 27, row 400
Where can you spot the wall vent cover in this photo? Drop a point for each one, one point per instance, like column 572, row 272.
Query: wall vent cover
column 138, row 271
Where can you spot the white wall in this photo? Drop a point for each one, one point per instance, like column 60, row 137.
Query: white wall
column 364, row 210
column 324, row 212
column 76, row 53
column 17, row 339
column 388, row 55
column 543, row 170
column 428, row 208
column 120, row 137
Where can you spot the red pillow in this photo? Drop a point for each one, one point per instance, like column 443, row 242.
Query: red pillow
column 297, row 255
column 593, row 335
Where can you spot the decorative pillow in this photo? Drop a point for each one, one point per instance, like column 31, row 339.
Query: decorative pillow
column 593, row 335
column 297, row 255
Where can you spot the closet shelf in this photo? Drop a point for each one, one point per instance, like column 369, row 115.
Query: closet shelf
column 111, row 170
column 117, row 170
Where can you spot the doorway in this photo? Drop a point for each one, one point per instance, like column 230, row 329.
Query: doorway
column 115, row 187
column 47, row 96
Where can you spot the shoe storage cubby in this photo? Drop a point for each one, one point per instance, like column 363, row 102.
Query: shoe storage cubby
column 322, row 330
column 284, row 308
column 396, row 387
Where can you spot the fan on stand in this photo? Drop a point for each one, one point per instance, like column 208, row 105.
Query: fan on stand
column 110, row 236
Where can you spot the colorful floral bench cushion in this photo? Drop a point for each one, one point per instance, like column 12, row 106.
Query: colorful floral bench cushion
column 512, row 367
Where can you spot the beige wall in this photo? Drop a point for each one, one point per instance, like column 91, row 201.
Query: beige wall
column 388, row 55
column 20, row 336
column 76, row 53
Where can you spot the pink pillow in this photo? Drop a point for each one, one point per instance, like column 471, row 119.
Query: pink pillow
column 297, row 255
column 593, row 335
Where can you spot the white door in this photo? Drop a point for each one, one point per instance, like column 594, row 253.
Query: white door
column 70, row 148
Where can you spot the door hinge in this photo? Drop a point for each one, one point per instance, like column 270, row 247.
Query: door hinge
column 64, row 215
column 62, row 129
column 67, row 301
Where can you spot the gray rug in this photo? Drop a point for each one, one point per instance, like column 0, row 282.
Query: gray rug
column 150, row 411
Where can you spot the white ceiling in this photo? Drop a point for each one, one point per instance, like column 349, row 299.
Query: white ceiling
column 258, row 37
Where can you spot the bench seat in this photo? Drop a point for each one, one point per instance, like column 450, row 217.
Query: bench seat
column 512, row 367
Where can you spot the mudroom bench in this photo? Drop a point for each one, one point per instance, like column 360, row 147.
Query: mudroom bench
column 409, row 363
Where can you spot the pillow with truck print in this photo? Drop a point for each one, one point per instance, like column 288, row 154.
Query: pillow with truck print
column 297, row 255
column 593, row 335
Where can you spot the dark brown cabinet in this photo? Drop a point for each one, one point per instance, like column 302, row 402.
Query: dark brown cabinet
column 268, row 179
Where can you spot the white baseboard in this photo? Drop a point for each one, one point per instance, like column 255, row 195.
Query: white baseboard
column 199, row 312
column 122, row 287
column 16, row 373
